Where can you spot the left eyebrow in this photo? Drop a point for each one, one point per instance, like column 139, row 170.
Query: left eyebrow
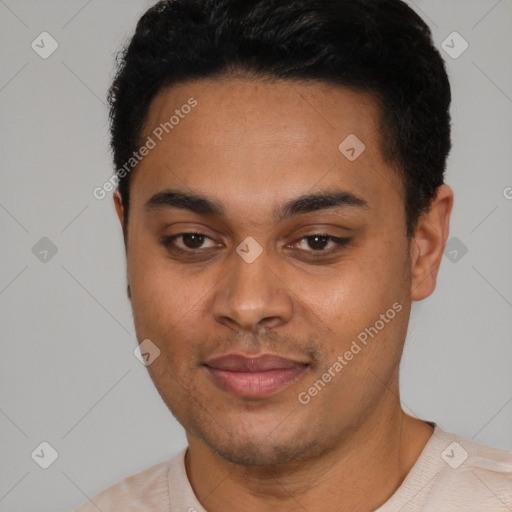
column 320, row 201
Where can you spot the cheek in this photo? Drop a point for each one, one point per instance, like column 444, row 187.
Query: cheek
column 362, row 289
column 163, row 297
column 370, row 278
column 166, row 310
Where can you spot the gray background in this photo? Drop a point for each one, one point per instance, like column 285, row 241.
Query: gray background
column 68, row 375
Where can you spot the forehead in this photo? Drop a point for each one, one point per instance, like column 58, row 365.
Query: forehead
column 264, row 140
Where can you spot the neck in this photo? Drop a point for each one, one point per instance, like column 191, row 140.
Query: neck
column 358, row 473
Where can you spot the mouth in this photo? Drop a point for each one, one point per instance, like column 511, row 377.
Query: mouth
column 254, row 377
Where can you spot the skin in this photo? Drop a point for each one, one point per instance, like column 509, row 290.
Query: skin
column 252, row 146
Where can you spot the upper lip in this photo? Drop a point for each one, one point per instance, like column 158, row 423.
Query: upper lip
column 261, row 363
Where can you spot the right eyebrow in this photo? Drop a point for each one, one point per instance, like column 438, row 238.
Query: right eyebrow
column 177, row 199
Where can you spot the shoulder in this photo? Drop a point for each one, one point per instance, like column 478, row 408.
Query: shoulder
column 472, row 473
column 149, row 487
column 454, row 473
column 466, row 455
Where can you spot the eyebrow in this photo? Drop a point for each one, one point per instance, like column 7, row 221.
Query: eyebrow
column 307, row 203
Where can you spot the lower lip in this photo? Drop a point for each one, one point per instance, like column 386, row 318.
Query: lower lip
column 255, row 384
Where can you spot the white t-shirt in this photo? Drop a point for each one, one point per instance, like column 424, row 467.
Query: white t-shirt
column 451, row 474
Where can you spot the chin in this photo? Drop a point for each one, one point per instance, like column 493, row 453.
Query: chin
column 252, row 435
column 253, row 446
column 258, row 453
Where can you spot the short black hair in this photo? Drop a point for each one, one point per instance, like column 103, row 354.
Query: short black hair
column 377, row 46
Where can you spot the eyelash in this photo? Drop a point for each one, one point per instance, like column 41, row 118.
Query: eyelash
column 168, row 242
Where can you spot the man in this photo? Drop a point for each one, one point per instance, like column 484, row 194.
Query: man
column 280, row 189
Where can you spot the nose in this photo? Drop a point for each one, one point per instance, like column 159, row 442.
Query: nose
column 252, row 296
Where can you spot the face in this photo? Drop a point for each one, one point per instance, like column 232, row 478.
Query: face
column 269, row 265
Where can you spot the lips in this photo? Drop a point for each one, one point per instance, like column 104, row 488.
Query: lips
column 254, row 377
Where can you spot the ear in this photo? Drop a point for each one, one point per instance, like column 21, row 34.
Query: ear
column 428, row 243
column 121, row 214
column 118, row 203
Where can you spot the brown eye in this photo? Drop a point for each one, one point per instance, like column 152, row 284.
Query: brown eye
column 321, row 243
column 193, row 240
column 188, row 242
column 317, row 242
